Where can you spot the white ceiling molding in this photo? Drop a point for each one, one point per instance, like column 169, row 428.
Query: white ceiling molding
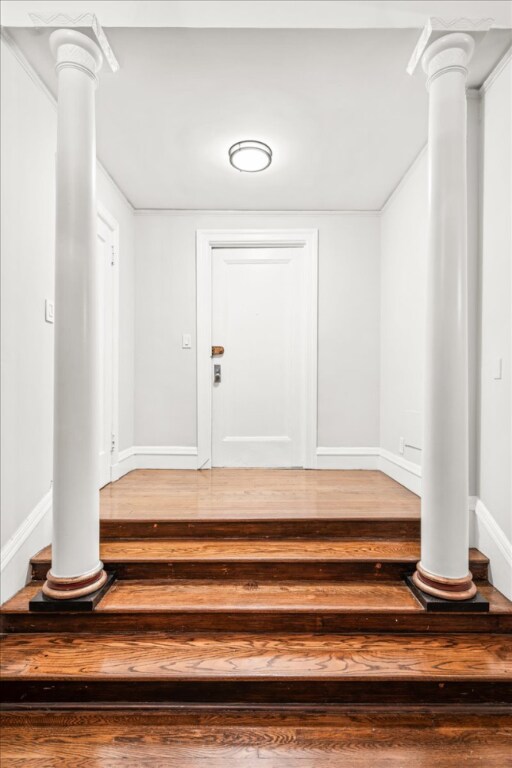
column 262, row 14
column 436, row 27
column 84, row 21
column 498, row 69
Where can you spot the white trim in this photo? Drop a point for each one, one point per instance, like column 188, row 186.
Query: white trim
column 404, row 472
column 165, row 457
column 490, row 539
column 33, row 534
column 347, row 458
column 496, row 72
column 248, row 212
column 126, row 462
column 165, row 450
column 155, row 457
column 113, row 225
column 206, row 240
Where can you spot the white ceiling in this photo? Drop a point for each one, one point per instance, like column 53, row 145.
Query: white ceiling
column 262, row 14
column 342, row 116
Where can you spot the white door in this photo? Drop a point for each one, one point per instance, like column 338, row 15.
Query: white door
column 105, row 304
column 258, row 410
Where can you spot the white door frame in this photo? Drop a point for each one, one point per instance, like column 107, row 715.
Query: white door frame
column 113, row 225
column 206, row 240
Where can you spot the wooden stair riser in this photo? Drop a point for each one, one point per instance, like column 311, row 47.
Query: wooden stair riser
column 257, row 570
column 253, row 622
column 300, row 528
column 263, row 692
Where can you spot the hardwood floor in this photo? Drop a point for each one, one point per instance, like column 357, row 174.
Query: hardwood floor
column 134, row 739
column 256, row 503
column 259, row 617
column 255, row 493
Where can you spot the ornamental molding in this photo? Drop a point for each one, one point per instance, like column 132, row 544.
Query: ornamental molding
column 88, row 21
column 70, row 55
column 448, row 53
column 437, row 27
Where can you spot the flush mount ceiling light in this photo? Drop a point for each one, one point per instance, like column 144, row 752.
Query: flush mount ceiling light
column 250, row 156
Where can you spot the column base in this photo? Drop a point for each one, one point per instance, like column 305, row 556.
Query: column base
column 64, row 588
column 445, row 588
column 478, row 603
column 87, row 602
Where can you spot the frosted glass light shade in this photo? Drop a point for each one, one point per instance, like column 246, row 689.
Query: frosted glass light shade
column 250, row 156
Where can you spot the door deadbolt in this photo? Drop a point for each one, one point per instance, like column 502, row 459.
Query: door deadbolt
column 216, row 374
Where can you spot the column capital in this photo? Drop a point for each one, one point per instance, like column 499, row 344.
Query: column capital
column 448, row 53
column 437, row 29
column 76, row 50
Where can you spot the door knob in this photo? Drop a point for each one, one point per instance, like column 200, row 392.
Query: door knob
column 217, row 351
column 216, row 374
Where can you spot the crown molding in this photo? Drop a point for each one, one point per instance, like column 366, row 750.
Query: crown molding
column 87, row 21
column 240, row 212
column 437, row 27
column 496, row 72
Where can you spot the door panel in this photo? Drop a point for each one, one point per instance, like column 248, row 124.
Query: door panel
column 105, row 309
column 256, row 316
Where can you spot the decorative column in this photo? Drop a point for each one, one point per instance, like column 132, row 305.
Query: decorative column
column 444, row 567
column 76, row 568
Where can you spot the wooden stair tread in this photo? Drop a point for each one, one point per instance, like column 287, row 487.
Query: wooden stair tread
column 195, row 595
column 233, row 550
column 229, row 657
column 160, row 739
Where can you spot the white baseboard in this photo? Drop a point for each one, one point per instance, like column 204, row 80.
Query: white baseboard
column 404, row 472
column 125, row 463
column 155, row 457
column 33, row 534
column 489, row 538
column 347, row 458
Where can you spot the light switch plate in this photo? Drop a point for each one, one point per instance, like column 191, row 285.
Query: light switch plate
column 498, row 369
column 186, row 341
column 49, row 311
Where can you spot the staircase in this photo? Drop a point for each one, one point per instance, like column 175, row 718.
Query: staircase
column 262, row 616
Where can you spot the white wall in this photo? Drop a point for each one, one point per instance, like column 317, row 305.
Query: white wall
column 117, row 205
column 402, row 320
column 28, row 144
column 495, row 462
column 349, row 286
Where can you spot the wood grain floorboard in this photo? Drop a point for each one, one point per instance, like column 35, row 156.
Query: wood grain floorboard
column 109, row 741
column 160, row 657
column 255, row 493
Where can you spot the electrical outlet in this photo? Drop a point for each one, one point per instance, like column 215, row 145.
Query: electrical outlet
column 401, row 446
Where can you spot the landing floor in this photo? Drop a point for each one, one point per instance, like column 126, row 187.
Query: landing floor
column 256, row 494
